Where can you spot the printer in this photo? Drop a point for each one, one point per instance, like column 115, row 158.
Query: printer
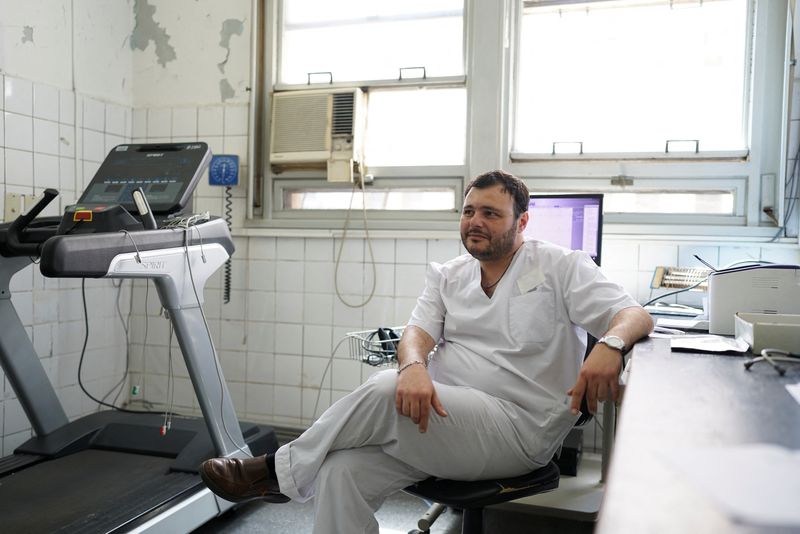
column 772, row 289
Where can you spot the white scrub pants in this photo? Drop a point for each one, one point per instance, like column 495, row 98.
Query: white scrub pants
column 361, row 451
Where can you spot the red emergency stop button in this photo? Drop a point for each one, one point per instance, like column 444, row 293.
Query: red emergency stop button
column 82, row 215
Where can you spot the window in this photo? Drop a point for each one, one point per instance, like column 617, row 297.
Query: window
column 658, row 104
column 416, row 127
column 408, row 60
column 635, row 76
column 674, row 109
column 356, row 40
column 422, row 199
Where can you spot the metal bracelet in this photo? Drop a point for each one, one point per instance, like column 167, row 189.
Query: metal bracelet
column 409, row 364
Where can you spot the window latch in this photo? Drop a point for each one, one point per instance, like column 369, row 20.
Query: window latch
column 424, row 73
column 321, row 73
column 567, row 147
column 682, row 145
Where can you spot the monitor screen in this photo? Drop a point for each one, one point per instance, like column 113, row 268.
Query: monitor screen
column 573, row 221
column 168, row 174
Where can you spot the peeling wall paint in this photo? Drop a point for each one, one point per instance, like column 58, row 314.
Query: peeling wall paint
column 211, row 42
column 46, row 59
column 70, row 44
column 144, row 53
column 226, row 92
column 230, row 27
column 147, row 30
column 27, row 34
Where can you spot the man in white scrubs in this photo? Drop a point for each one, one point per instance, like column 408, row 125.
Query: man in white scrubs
column 495, row 399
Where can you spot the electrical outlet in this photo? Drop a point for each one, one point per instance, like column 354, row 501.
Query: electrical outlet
column 14, row 205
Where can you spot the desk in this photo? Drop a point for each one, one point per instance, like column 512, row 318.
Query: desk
column 683, row 400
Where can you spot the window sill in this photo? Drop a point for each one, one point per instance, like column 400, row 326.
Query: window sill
column 720, row 235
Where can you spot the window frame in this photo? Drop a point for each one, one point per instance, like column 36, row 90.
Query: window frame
column 766, row 137
column 267, row 211
column 493, row 28
column 703, row 155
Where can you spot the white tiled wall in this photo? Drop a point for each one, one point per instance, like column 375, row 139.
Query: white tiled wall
column 285, row 319
column 51, row 137
column 276, row 336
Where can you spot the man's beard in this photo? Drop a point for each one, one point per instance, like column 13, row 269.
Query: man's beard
column 498, row 247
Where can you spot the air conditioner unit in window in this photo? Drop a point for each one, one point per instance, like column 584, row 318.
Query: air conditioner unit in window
column 318, row 129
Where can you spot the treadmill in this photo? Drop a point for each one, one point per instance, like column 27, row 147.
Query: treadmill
column 118, row 471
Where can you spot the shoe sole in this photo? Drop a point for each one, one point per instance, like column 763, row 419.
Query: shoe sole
column 274, row 498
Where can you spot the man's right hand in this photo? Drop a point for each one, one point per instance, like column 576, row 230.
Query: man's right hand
column 416, row 395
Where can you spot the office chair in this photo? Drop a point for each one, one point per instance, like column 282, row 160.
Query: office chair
column 472, row 497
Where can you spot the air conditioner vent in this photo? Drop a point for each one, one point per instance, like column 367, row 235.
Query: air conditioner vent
column 318, row 129
column 343, row 113
column 300, row 124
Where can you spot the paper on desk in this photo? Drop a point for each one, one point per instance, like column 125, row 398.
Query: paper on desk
column 708, row 343
column 692, row 323
column 753, row 484
column 794, row 391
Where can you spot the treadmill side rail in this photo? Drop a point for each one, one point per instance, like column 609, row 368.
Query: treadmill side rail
column 180, row 275
column 186, row 516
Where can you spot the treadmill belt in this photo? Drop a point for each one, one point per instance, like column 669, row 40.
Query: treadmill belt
column 90, row 491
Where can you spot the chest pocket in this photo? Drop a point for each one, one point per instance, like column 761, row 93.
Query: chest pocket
column 531, row 316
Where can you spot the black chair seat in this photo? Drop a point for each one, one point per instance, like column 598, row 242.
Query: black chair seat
column 480, row 493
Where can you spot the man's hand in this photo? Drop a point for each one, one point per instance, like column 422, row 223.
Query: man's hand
column 600, row 372
column 598, row 376
column 416, row 395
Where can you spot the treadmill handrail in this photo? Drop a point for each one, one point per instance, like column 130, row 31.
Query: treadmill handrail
column 91, row 255
column 13, row 243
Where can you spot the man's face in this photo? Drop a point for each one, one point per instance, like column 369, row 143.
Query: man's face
column 489, row 230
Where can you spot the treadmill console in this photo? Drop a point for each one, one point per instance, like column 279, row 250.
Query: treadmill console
column 166, row 173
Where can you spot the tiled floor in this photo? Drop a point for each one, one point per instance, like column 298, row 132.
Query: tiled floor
column 398, row 515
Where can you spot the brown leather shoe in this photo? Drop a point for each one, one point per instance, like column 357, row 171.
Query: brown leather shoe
column 241, row 479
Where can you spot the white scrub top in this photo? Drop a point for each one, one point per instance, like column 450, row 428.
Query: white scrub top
column 525, row 344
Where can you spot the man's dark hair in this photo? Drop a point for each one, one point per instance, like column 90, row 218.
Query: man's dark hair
column 508, row 183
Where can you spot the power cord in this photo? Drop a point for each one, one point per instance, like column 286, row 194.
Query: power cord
column 82, row 357
column 324, row 374
column 341, row 248
column 791, row 188
column 226, row 288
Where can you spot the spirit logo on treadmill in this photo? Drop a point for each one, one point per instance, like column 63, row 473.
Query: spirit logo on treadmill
column 154, row 265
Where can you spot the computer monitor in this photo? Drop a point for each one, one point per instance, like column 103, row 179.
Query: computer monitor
column 573, row 221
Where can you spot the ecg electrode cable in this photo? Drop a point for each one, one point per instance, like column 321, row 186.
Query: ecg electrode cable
column 120, row 385
column 187, row 241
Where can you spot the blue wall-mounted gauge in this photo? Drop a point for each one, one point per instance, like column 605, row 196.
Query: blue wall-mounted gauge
column 224, row 170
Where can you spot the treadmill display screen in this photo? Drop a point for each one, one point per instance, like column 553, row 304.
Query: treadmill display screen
column 168, row 174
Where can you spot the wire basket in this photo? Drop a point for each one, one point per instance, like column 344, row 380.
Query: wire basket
column 375, row 347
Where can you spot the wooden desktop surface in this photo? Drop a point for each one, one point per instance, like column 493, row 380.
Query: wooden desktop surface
column 679, row 400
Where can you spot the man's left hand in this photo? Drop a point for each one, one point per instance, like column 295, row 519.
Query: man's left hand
column 598, row 376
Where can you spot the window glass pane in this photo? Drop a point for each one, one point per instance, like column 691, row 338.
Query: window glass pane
column 370, row 39
column 425, row 199
column 416, row 127
column 628, row 76
column 695, row 202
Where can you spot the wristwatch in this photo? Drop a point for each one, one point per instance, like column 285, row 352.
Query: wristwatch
column 615, row 342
